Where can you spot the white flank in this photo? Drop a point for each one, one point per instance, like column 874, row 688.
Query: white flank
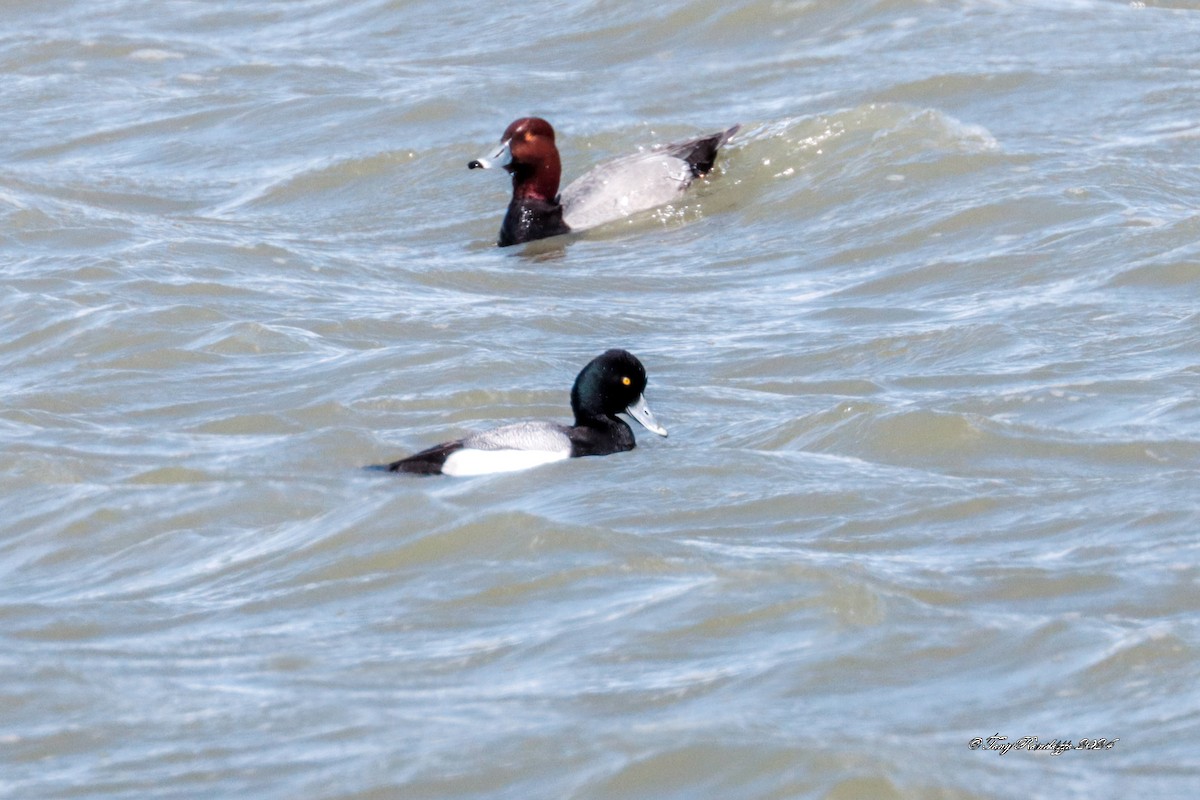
column 485, row 462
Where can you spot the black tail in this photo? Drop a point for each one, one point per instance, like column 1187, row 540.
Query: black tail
column 426, row 462
column 701, row 154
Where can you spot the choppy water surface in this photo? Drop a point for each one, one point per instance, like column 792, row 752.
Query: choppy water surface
column 927, row 347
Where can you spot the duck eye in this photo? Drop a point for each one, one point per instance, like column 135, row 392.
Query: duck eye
column 626, row 380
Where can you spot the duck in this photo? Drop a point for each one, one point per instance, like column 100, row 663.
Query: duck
column 610, row 191
column 612, row 383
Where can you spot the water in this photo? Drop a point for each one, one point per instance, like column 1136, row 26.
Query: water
column 926, row 346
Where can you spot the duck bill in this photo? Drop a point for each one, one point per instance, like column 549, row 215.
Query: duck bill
column 501, row 158
column 641, row 412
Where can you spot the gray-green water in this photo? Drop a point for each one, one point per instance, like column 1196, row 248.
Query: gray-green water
column 928, row 346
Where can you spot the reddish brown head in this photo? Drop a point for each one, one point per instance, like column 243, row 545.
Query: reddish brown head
column 528, row 152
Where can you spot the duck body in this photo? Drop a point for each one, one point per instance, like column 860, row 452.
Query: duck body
column 610, row 384
column 610, row 191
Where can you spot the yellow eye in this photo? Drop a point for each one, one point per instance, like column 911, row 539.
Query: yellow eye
column 626, row 381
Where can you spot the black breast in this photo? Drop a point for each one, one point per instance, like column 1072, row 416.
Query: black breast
column 529, row 219
column 600, row 438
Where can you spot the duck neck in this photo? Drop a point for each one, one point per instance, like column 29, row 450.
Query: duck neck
column 538, row 181
column 600, row 436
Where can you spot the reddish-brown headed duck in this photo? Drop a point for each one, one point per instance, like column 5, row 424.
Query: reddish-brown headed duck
column 609, row 192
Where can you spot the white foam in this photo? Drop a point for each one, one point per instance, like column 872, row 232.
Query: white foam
column 154, row 54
